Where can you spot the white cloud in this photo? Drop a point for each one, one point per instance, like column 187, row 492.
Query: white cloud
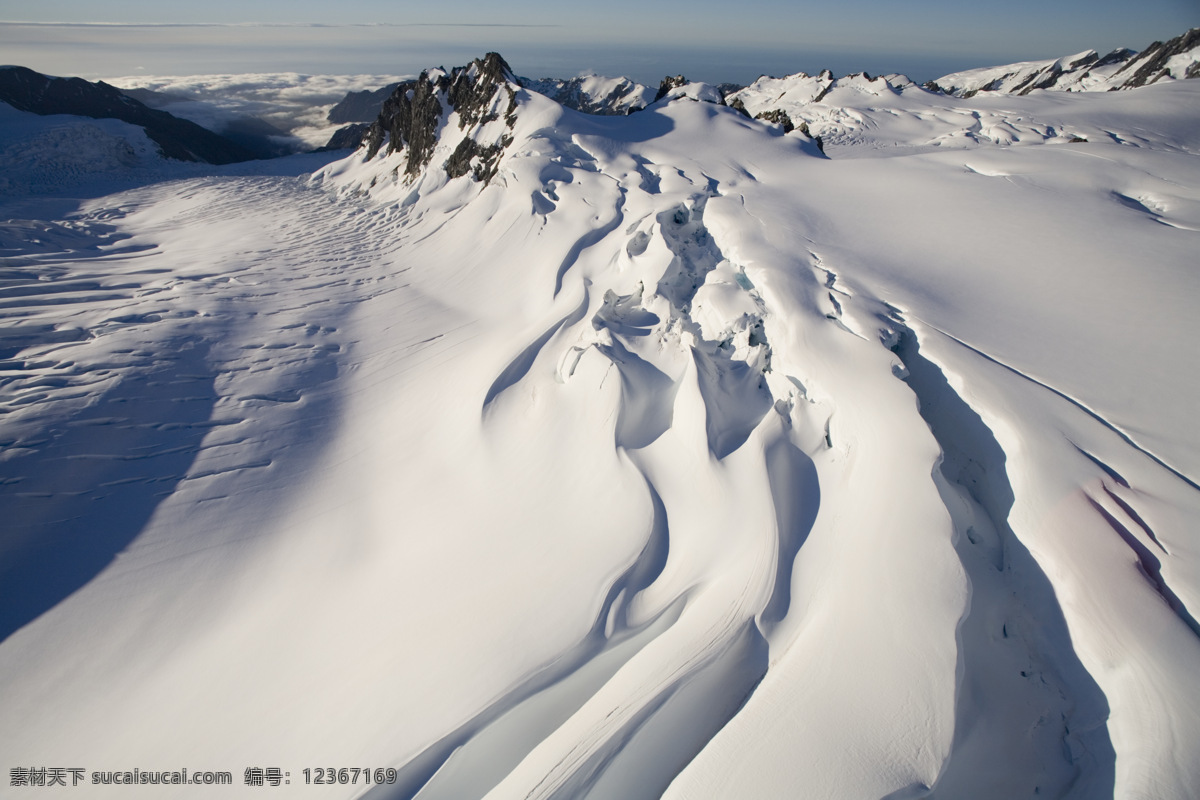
column 294, row 103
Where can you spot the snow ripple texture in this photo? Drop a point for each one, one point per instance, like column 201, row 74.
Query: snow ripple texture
column 679, row 460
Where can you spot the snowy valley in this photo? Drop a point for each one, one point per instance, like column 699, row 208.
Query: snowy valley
column 827, row 437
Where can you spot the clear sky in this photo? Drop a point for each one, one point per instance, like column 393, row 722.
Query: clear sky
column 707, row 40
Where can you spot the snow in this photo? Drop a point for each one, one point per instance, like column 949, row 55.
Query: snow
column 595, row 93
column 44, row 154
column 678, row 460
column 1082, row 72
column 62, row 154
column 698, row 91
column 857, row 117
column 1014, row 77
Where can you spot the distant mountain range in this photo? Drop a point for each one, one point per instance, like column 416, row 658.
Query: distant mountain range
column 772, row 99
column 1177, row 58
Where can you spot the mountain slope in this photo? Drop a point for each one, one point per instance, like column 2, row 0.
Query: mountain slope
column 1176, row 59
column 361, row 106
column 26, row 90
column 593, row 94
column 529, row 453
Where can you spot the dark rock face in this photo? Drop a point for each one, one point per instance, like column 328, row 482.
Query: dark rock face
column 479, row 160
column 668, row 83
column 473, row 87
column 412, row 117
column 1049, row 77
column 779, row 117
column 737, row 105
column 155, row 99
column 349, row 137
column 361, row 106
column 1117, row 56
column 1152, row 62
column 1138, row 69
column 176, row 138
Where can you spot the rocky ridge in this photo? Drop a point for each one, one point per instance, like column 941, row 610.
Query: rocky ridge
column 593, row 94
column 413, row 117
column 1122, row 69
column 27, row 90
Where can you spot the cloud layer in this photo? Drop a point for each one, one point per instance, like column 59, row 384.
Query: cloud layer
column 296, row 104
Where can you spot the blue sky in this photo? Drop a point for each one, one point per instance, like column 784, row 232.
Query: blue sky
column 705, row 39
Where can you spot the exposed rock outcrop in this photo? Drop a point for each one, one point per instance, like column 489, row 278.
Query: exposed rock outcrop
column 1176, row 59
column 668, row 83
column 348, row 137
column 413, row 117
column 1152, row 64
column 779, row 117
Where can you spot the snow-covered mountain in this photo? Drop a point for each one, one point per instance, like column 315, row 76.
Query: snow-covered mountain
column 253, row 133
column 594, row 94
column 1176, row 59
column 591, row 94
column 26, row 90
column 526, row 453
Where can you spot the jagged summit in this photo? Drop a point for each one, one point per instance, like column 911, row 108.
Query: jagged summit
column 1175, row 58
column 668, row 83
column 448, row 124
column 413, row 116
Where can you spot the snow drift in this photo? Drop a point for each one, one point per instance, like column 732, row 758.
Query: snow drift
column 535, row 454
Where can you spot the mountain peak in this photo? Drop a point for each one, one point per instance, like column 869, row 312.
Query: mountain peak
column 412, row 118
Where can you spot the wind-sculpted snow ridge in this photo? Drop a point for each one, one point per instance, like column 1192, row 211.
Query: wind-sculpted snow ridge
column 649, row 456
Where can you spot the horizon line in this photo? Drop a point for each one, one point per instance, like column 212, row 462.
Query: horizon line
column 27, row 24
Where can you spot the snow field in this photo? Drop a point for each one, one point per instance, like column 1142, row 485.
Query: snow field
column 678, row 460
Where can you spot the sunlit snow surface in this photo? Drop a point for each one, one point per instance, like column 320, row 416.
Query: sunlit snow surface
column 680, row 460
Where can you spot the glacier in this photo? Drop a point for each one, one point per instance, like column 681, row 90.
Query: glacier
column 536, row 454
